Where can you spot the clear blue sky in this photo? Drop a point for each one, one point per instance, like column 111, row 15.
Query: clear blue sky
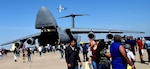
column 17, row 17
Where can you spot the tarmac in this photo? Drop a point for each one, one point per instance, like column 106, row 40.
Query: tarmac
column 51, row 61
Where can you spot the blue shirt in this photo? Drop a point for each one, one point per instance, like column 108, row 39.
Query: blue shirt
column 132, row 43
column 147, row 44
column 117, row 60
column 85, row 49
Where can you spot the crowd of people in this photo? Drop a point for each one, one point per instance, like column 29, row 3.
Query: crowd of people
column 3, row 52
column 28, row 51
column 119, row 53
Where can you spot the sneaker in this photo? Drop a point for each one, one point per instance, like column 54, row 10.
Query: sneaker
column 142, row 61
column 15, row 60
column 148, row 64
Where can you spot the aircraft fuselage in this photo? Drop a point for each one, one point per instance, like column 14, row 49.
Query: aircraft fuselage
column 50, row 32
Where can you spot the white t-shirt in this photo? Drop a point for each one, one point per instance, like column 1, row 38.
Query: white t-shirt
column 40, row 48
column 0, row 53
column 130, row 54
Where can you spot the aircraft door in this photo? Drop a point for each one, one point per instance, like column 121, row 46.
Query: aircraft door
column 48, row 36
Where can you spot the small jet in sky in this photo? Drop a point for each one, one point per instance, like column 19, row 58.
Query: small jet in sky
column 53, row 34
column 61, row 8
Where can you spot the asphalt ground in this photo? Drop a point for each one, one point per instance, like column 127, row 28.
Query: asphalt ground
column 52, row 61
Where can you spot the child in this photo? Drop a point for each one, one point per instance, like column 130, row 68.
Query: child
column 130, row 54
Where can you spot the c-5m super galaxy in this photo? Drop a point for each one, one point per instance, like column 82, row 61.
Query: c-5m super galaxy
column 52, row 34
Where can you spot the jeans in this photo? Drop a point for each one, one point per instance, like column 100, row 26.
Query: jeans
column 94, row 64
column 29, row 58
column 148, row 52
column 62, row 53
column 0, row 56
column 76, row 67
column 103, row 66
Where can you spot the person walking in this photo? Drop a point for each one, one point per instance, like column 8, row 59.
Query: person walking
column 85, row 51
column 72, row 55
column 23, row 56
column 0, row 53
column 15, row 54
column 40, row 50
column 147, row 46
column 62, row 50
column 140, row 46
column 29, row 54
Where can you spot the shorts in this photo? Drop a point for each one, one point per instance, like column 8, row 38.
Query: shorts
column 141, row 52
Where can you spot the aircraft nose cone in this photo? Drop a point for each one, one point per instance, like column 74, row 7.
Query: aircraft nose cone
column 45, row 19
column 43, row 8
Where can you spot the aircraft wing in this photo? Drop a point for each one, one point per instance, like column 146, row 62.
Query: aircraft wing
column 22, row 39
column 87, row 30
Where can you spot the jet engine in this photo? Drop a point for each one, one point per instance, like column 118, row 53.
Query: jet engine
column 18, row 44
column 30, row 41
column 91, row 35
column 109, row 36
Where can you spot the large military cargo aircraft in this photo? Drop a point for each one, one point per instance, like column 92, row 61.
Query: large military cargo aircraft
column 52, row 34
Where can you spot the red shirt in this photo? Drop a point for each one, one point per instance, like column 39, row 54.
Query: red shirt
column 140, row 44
column 94, row 53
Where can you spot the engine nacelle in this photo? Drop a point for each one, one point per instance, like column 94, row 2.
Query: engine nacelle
column 30, row 41
column 91, row 35
column 18, row 44
column 110, row 36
